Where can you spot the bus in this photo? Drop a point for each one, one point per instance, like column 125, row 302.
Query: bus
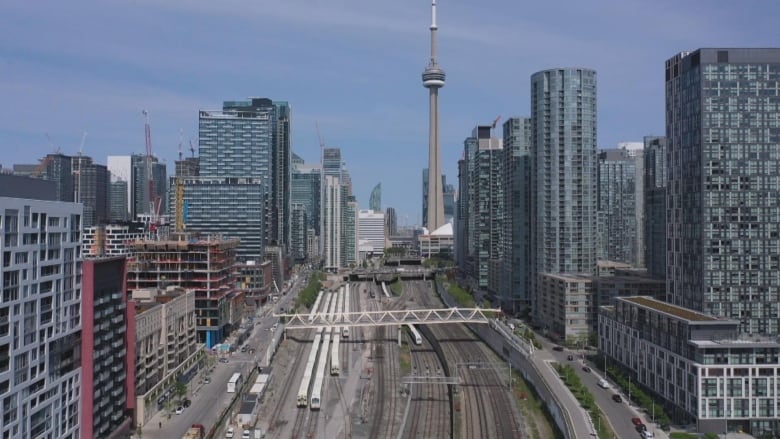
column 235, row 383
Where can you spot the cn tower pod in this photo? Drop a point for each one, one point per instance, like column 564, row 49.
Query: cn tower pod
column 433, row 76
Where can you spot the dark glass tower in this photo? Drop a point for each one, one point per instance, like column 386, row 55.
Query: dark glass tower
column 723, row 163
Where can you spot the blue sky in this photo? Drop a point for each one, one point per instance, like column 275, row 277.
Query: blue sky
column 75, row 66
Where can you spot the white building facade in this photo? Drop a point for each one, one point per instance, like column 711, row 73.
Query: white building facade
column 40, row 318
column 331, row 223
column 699, row 365
column 371, row 229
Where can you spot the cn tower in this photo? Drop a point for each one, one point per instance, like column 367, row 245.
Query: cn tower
column 433, row 80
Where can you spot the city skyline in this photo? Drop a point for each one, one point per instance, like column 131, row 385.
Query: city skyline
column 58, row 78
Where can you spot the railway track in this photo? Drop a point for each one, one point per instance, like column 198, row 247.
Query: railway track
column 488, row 409
column 430, row 402
column 289, row 383
column 387, row 381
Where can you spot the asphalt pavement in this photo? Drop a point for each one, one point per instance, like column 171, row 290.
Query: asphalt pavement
column 619, row 414
column 209, row 400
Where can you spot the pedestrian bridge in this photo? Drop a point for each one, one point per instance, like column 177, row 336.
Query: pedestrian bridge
column 389, row 318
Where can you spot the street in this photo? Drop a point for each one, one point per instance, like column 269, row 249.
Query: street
column 209, row 400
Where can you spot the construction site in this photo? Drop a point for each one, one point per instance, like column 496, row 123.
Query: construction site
column 204, row 264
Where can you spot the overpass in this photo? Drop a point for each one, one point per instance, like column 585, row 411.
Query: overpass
column 389, row 318
column 390, row 274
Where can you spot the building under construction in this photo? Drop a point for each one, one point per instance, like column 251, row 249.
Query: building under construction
column 204, row 264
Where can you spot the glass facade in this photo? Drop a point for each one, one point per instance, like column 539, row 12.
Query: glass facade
column 563, row 147
column 516, row 286
column 723, row 163
column 251, row 139
column 231, row 207
column 655, row 206
column 616, row 189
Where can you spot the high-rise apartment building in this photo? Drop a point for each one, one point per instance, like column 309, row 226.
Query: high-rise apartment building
column 616, row 194
column 91, row 185
column 516, row 284
column 188, row 167
column 723, row 176
column 251, row 140
column 563, row 110
column 306, row 191
column 485, row 191
column 655, row 206
column 298, row 232
column 331, row 222
column 107, row 354
column 58, row 168
column 349, row 230
column 117, row 200
column 40, row 311
column 391, row 222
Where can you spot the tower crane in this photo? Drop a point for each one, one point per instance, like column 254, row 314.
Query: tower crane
column 77, row 171
column 153, row 201
column 179, row 193
column 493, row 126
column 46, row 160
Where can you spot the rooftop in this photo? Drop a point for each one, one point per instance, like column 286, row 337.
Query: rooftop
column 672, row 310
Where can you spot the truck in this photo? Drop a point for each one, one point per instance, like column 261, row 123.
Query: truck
column 195, row 432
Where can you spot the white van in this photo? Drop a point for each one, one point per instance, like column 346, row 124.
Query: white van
column 603, row 384
column 229, row 432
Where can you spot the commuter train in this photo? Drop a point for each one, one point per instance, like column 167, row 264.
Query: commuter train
column 303, row 391
column 415, row 335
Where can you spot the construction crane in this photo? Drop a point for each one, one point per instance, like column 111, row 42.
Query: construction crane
column 493, row 126
column 192, row 149
column 179, row 193
column 46, row 160
column 77, row 171
column 153, row 201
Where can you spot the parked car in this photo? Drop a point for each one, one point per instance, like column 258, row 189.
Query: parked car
column 585, row 369
column 206, row 380
column 647, row 435
column 636, row 421
column 179, row 410
column 603, row 384
column 245, row 435
column 617, row 398
column 570, row 357
column 187, row 403
column 229, row 432
column 224, row 360
column 640, row 428
column 558, row 348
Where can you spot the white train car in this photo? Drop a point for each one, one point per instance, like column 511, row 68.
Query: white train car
column 339, row 306
column 319, row 378
column 335, row 363
column 316, row 305
column 303, row 391
column 384, row 290
column 345, row 330
column 415, row 334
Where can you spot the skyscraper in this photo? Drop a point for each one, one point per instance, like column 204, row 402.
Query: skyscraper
column 433, row 80
column 91, row 184
column 563, row 110
column 375, row 200
column 482, row 186
column 391, row 222
column 250, row 139
column 118, row 202
column 723, row 185
column 655, row 206
column 516, row 284
column 305, row 188
column 331, row 222
column 616, row 192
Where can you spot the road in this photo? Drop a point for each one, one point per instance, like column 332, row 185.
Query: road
column 619, row 414
column 209, row 400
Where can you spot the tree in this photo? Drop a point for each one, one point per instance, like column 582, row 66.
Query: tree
column 180, row 389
